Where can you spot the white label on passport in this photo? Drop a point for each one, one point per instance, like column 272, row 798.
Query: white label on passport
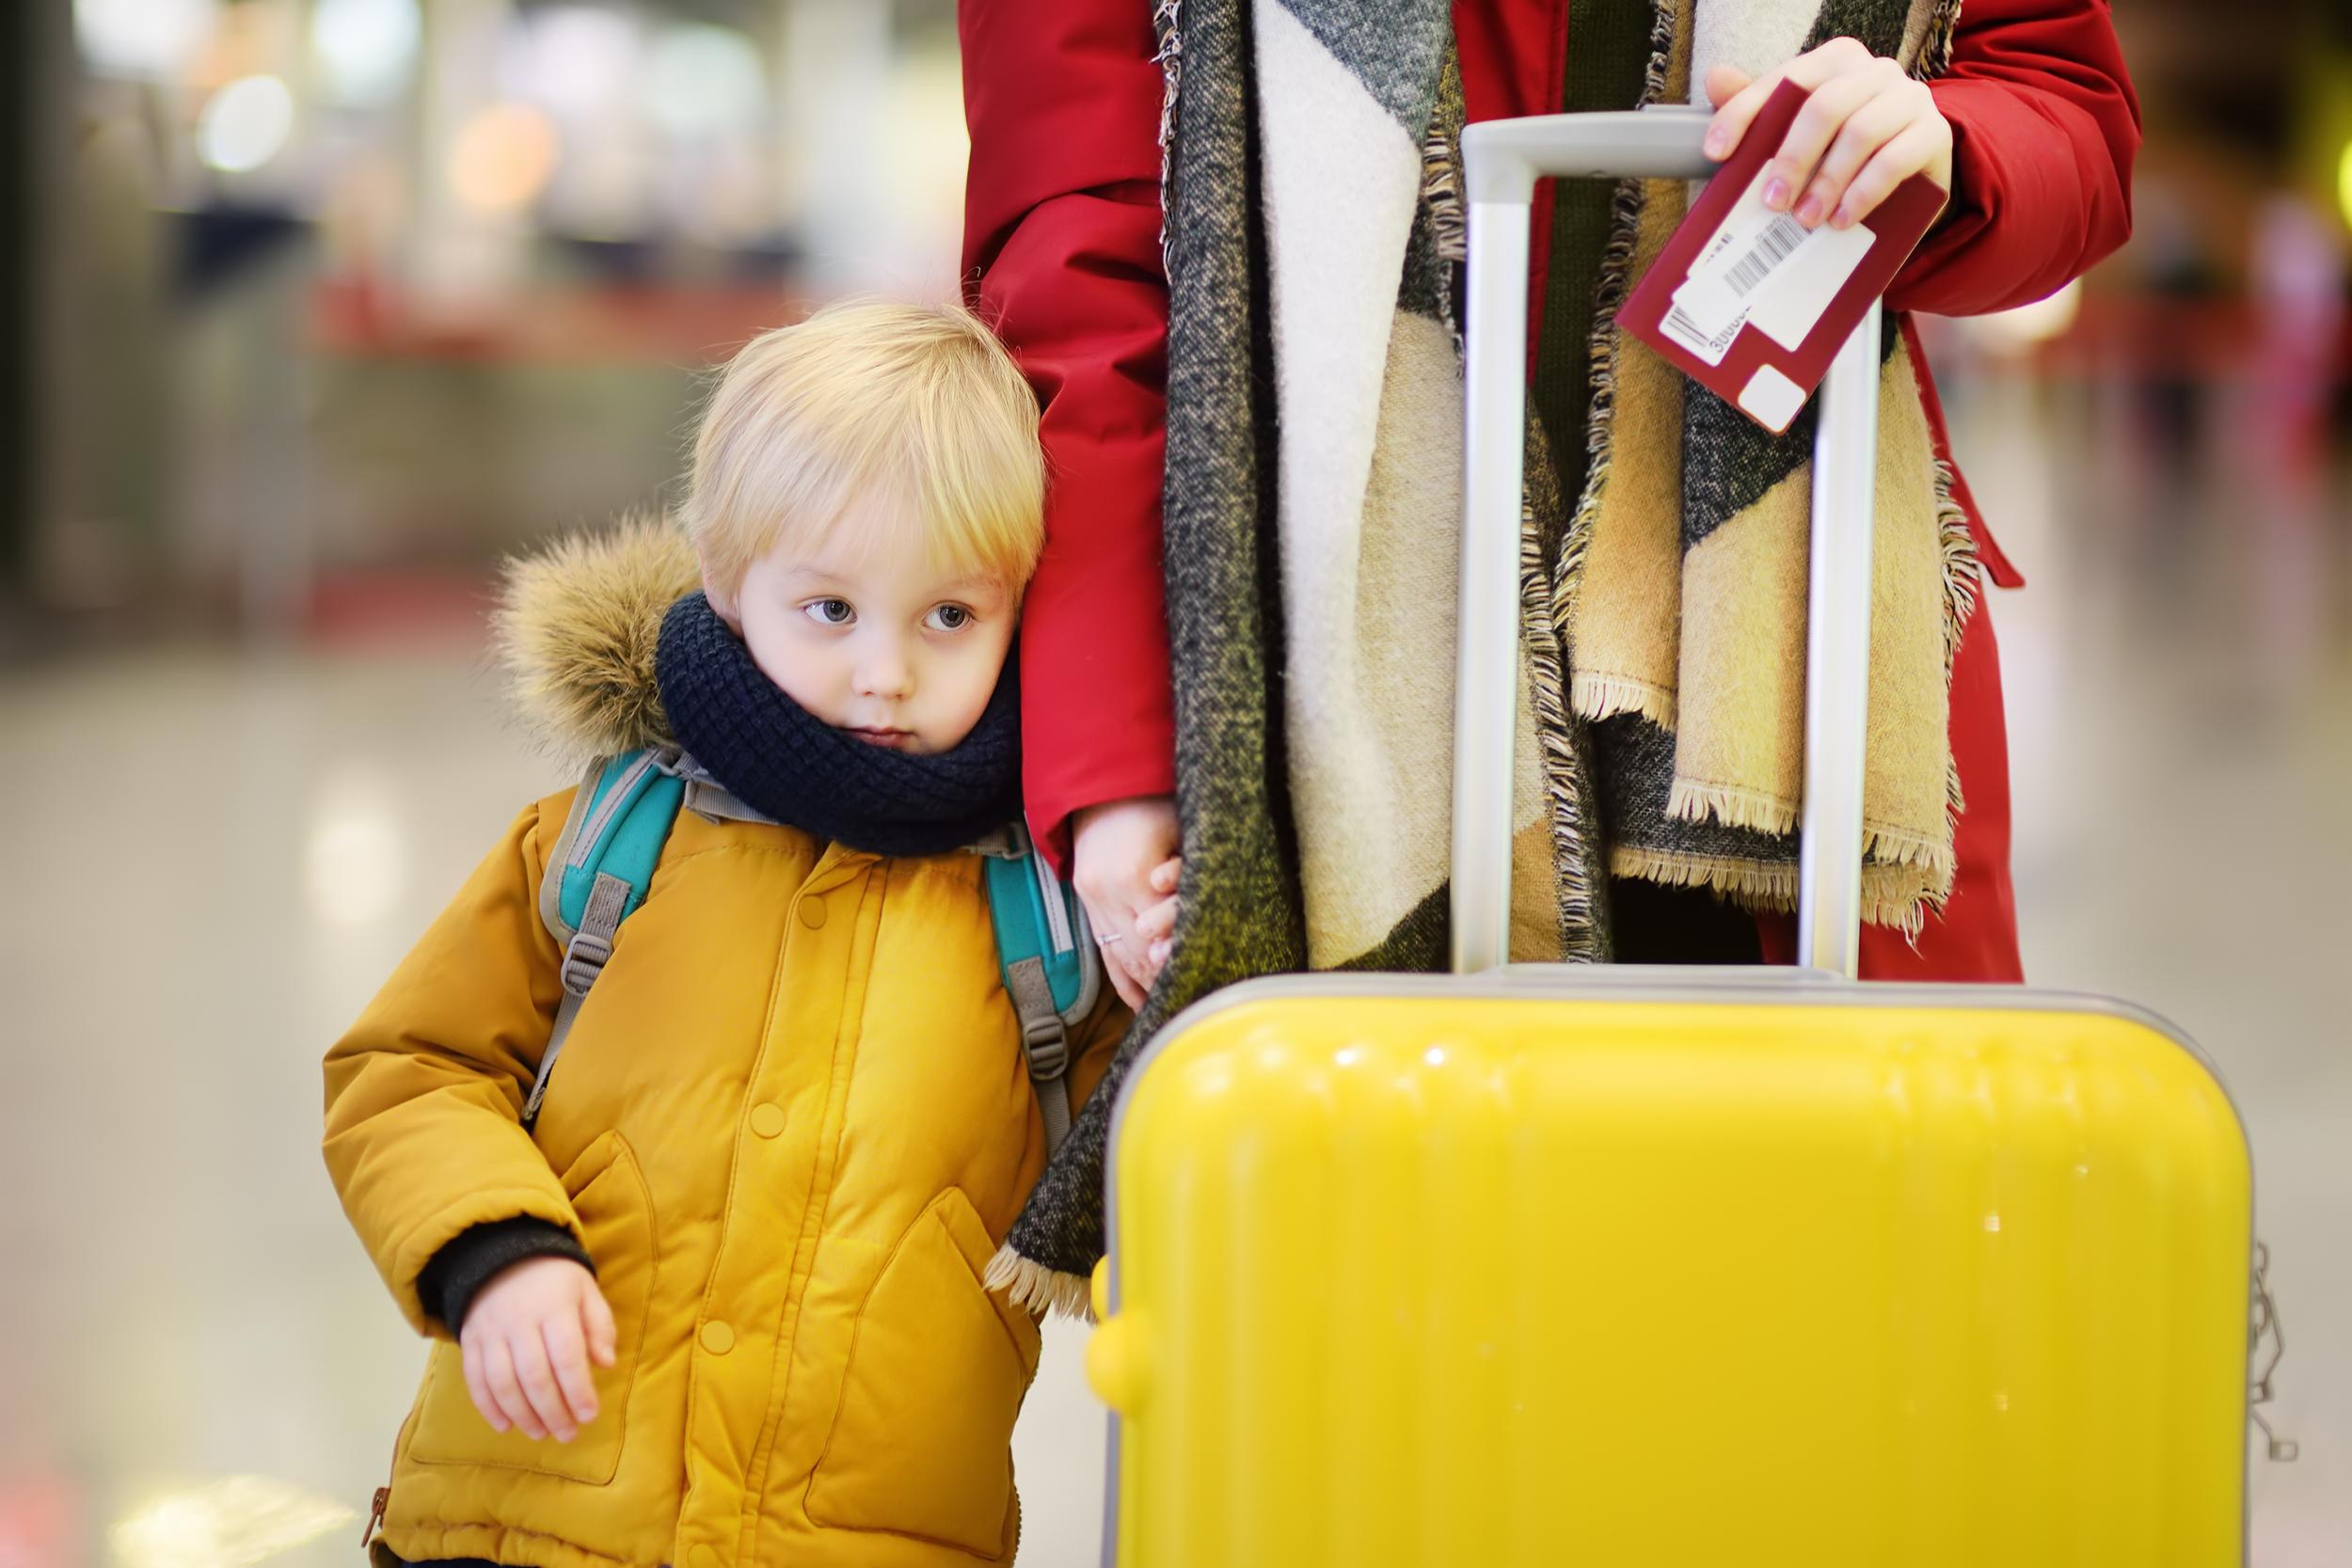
column 1789, row 305
column 1711, row 347
column 1771, row 398
column 1747, row 264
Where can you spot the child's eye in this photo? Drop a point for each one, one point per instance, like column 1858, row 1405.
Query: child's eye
column 831, row 613
column 948, row 617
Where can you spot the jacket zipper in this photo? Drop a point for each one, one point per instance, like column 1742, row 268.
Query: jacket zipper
column 1056, row 911
column 384, row 1493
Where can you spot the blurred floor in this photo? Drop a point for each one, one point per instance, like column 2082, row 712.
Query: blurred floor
column 214, row 856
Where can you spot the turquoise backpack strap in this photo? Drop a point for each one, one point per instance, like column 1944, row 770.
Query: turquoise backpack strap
column 598, row 870
column 1052, row 971
column 597, row 875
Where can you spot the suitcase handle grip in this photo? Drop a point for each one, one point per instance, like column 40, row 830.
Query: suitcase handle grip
column 1502, row 161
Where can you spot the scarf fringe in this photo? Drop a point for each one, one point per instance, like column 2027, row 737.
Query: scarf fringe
column 1963, row 585
column 1935, row 49
column 1770, row 886
column 1576, row 895
column 1760, row 884
column 1962, row 572
column 1442, row 190
column 1617, row 281
column 1598, row 696
column 1890, row 846
column 1441, row 198
column 1034, row 1287
column 1168, row 26
column 1689, row 801
column 1575, row 540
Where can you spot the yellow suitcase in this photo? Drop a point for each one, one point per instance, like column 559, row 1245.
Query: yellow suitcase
column 1692, row 1269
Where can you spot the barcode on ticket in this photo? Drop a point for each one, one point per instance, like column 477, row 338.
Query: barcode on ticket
column 1710, row 347
column 1775, row 246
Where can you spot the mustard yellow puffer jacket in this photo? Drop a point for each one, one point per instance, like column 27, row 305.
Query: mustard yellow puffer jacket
column 790, row 1126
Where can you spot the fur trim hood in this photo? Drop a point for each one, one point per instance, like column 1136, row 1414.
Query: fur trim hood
column 576, row 627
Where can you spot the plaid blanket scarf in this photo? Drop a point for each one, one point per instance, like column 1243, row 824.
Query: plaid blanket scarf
column 1311, row 507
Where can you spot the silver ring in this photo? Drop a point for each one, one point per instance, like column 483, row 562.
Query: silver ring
column 1101, row 940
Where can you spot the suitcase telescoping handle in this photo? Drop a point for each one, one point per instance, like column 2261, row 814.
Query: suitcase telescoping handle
column 1502, row 161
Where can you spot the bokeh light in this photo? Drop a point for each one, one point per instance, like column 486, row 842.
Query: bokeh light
column 576, row 60
column 246, row 124
column 2017, row 330
column 141, row 38
column 366, row 49
column 502, row 157
column 240, row 1519
column 354, row 857
column 701, row 80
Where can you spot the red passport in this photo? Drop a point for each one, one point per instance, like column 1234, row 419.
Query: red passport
column 1749, row 302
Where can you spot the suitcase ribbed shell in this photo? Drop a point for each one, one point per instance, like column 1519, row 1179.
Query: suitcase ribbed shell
column 1455, row 1273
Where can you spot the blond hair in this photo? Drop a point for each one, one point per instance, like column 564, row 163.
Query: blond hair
column 920, row 402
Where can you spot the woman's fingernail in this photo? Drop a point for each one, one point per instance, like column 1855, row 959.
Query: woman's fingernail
column 1809, row 211
column 1777, row 193
column 1717, row 141
column 1160, row 950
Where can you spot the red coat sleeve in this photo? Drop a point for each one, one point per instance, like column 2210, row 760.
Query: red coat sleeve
column 1061, row 254
column 2044, row 126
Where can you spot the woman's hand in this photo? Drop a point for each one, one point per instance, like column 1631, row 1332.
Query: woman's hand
column 1867, row 128
column 529, row 1337
column 1124, row 865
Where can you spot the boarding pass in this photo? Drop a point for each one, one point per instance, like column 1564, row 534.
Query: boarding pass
column 1753, row 304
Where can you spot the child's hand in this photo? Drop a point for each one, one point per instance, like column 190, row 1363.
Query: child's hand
column 527, row 1338
column 1155, row 928
column 1868, row 126
column 1124, row 867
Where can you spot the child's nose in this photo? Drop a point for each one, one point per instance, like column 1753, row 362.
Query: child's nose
column 886, row 672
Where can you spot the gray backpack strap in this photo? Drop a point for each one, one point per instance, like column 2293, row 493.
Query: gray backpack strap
column 584, row 958
column 1045, row 1039
column 1052, row 969
column 599, row 869
column 559, row 853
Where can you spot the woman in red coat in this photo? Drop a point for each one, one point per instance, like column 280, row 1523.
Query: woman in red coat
column 2032, row 130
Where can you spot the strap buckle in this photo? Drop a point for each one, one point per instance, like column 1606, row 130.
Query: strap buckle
column 1046, row 1043
column 584, row 957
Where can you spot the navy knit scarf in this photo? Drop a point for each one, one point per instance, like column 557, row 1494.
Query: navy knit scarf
column 781, row 760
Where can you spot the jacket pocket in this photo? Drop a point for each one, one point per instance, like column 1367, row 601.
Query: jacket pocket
column 615, row 1211
column 922, row 1440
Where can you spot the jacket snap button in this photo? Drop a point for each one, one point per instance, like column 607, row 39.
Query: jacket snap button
column 812, row 913
column 702, row 1557
column 717, row 1337
column 767, row 1120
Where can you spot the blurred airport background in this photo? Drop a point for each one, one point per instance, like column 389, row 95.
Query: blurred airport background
column 311, row 311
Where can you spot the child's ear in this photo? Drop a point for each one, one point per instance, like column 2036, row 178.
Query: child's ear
column 721, row 600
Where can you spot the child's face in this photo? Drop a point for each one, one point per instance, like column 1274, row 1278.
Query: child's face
column 871, row 638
